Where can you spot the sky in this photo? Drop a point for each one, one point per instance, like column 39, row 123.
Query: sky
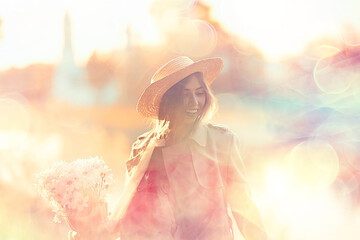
column 32, row 31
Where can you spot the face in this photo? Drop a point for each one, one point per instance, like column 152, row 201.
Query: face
column 194, row 99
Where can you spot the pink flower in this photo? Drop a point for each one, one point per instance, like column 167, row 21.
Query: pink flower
column 71, row 186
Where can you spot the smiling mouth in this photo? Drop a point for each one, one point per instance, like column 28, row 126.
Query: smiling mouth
column 192, row 112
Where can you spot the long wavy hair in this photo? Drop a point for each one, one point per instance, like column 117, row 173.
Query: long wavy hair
column 172, row 103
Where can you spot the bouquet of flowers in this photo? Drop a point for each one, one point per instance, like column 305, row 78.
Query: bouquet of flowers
column 77, row 192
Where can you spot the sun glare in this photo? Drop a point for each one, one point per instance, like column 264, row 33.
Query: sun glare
column 290, row 213
column 279, row 28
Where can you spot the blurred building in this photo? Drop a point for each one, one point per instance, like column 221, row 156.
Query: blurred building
column 82, row 85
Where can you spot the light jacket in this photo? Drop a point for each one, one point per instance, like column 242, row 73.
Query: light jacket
column 217, row 164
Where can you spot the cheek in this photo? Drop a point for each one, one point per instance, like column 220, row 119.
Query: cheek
column 185, row 101
column 202, row 101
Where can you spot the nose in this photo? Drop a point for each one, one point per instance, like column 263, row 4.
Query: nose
column 193, row 101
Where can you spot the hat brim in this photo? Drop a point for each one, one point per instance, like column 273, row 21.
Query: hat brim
column 149, row 102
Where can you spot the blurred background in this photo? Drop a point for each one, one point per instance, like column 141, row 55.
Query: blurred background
column 71, row 73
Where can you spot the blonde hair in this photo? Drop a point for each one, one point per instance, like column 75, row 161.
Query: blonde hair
column 171, row 102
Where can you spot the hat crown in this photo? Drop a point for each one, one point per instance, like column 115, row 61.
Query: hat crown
column 171, row 67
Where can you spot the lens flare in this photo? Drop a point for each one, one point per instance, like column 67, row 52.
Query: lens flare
column 14, row 123
column 349, row 34
column 292, row 214
column 355, row 93
column 314, row 165
column 333, row 75
column 349, row 152
column 323, row 51
column 347, row 190
column 192, row 37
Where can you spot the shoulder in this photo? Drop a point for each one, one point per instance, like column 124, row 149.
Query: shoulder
column 140, row 140
column 221, row 132
column 224, row 138
column 219, row 129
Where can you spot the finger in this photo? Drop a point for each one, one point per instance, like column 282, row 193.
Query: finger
column 71, row 235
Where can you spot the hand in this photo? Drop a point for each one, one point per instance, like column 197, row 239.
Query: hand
column 89, row 224
column 108, row 231
column 72, row 235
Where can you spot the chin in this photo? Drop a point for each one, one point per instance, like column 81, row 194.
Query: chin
column 189, row 120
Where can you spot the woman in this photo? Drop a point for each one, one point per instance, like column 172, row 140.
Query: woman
column 186, row 179
column 185, row 176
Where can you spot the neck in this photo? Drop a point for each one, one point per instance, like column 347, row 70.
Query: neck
column 181, row 132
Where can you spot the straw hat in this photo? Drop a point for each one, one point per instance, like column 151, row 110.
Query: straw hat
column 170, row 74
